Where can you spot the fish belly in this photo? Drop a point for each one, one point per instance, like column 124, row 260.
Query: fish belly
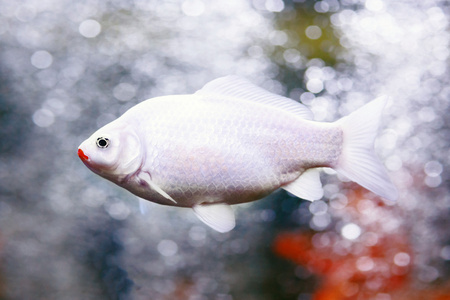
column 225, row 150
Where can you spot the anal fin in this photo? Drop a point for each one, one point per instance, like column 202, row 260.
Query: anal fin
column 219, row 216
column 307, row 186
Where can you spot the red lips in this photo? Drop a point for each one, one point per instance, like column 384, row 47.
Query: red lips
column 83, row 156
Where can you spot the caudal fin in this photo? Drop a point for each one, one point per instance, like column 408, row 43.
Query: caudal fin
column 358, row 161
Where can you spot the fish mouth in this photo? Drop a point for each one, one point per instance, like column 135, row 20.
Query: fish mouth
column 82, row 156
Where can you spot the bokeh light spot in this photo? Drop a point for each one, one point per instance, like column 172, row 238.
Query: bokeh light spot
column 374, row 5
column 291, row 55
column 428, row 274
column 402, row 259
column 90, row 28
column 41, row 59
column 239, row 246
column 193, row 8
column 197, row 233
column 25, row 13
column 433, row 168
column 382, row 296
column 274, row 5
column 118, row 211
column 445, row 252
column 321, row 7
column 349, row 290
column 124, row 91
column 365, row 263
column 433, row 181
column 314, row 85
column 307, row 98
column 369, row 239
column 313, row 32
column 437, row 18
column 320, row 222
column 318, row 207
column 278, row 37
column 167, row 248
column 43, row 117
column 351, row 231
column 268, row 215
column 338, row 201
column 427, row 114
column 255, row 51
column 394, row 163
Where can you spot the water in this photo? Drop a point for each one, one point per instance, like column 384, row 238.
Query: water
column 68, row 68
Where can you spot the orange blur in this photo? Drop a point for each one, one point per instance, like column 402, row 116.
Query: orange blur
column 358, row 269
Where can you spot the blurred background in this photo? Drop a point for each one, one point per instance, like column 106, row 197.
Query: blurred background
column 69, row 67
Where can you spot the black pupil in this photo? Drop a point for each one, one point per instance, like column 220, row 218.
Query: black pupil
column 102, row 142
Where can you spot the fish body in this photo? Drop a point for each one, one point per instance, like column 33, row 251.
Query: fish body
column 230, row 142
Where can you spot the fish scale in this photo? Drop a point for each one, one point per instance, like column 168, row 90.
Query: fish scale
column 270, row 153
column 232, row 142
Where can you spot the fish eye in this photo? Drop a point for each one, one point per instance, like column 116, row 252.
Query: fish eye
column 102, row 142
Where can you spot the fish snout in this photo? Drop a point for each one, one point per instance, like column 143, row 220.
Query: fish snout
column 82, row 156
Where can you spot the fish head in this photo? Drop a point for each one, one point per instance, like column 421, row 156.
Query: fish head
column 113, row 151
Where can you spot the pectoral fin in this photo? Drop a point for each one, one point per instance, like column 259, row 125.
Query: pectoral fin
column 219, row 217
column 307, row 186
column 145, row 177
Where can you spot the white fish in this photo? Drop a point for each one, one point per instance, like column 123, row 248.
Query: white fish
column 233, row 142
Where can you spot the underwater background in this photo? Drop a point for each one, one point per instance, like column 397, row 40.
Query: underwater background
column 69, row 67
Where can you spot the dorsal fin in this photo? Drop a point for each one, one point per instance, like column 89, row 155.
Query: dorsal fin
column 238, row 87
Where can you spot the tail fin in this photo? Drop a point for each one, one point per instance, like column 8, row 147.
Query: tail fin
column 358, row 161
